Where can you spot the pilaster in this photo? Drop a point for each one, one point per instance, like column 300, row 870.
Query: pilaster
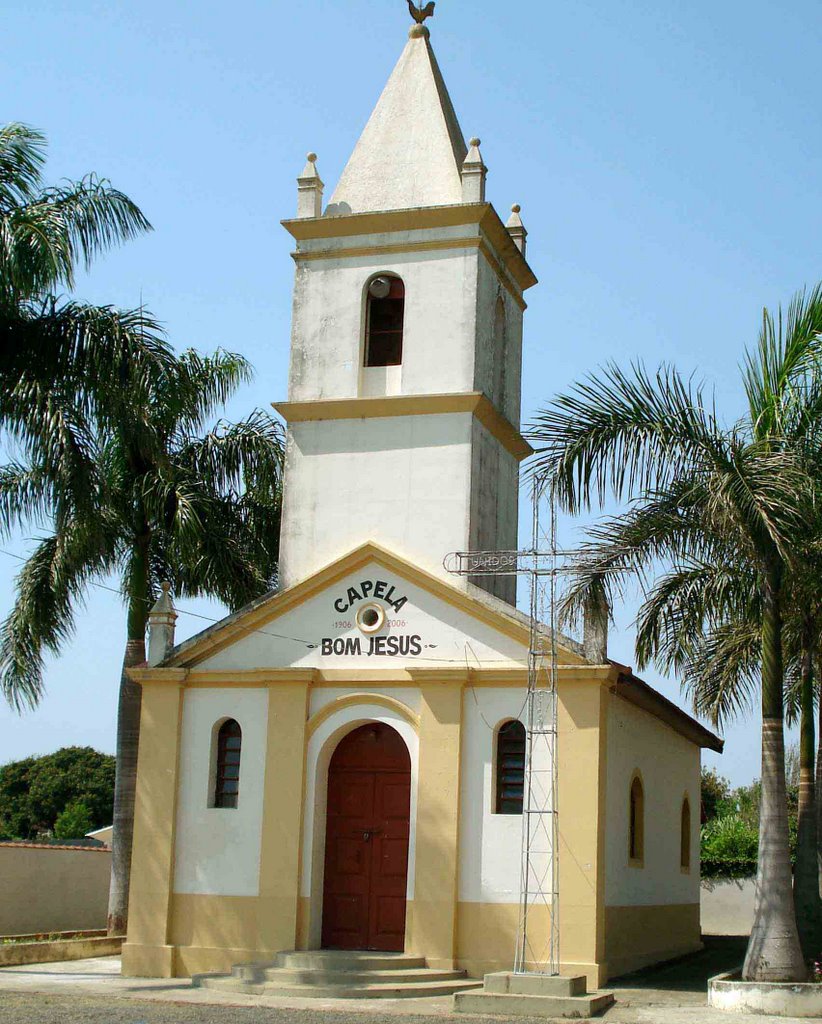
column 582, row 743
column 282, row 814
column 147, row 950
column 432, row 924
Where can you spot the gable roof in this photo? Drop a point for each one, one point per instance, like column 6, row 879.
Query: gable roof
column 469, row 599
column 411, row 150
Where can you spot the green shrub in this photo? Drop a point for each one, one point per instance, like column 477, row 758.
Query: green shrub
column 73, row 822
column 729, row 847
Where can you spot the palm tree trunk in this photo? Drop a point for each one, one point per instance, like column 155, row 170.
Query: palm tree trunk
column 774, row 953
column 819, row 785
column 806, row 873
column 128, row 737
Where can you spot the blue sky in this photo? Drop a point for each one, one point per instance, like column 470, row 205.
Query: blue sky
column 667, row 158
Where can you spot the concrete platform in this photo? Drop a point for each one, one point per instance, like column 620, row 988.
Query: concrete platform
column 533, row 995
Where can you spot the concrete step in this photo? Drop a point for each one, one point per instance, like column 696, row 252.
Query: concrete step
column 261, row 974
column 378, row 990
column 347, row 960
column 516, row 1005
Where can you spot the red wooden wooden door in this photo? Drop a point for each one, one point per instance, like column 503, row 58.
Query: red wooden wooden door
column 366, row 842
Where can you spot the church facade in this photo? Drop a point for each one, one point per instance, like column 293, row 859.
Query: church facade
column 340, row 764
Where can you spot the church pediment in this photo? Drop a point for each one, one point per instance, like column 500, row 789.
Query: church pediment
column 370, row 609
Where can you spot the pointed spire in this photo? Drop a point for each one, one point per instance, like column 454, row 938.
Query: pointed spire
column 412, row 148
column 516, row 229
column 161, row 620
column 473, row 174
column 310, row 189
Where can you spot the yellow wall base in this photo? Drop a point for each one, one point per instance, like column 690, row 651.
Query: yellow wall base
column 147, row 961
column 638, row 936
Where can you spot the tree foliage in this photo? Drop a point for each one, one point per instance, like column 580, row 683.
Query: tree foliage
column 34, row 792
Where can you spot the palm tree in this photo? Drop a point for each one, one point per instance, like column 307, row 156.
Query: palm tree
column 45, row 233
column 154, row 498
column 61, row 359
column 707, row 499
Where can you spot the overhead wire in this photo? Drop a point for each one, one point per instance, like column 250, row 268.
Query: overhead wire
column 264, row 632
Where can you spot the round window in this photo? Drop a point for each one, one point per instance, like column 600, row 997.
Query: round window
column 370, row 617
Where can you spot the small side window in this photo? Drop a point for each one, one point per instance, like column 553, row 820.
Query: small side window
column 510, row 768
column 384, row 316
column 227, row 775
column 636, row 823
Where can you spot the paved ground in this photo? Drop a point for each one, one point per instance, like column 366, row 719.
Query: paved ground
column 92, row 992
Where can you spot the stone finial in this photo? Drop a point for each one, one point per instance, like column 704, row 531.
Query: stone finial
column 473, row 174
column 161, row 620
column 516, row 229
column 310, row 190
column 595, row 629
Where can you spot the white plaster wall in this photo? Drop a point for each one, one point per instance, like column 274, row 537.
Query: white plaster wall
column 490, row 843
column 448, row 635
column 669, row 765
column 487, row 374
column 401, row 481
column 321, row 747
column 726, row 906
column 217, row 849
column 494, row 506
column 439, row 327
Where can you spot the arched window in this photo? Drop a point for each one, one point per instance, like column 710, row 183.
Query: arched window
column 227, row 776
column 510, row 768
column 384, row 313
column 636, row 822
column 685, row 835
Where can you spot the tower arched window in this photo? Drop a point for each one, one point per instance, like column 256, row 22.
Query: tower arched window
column 685, row 835
column 227, row 775
column 510, row 766
column 636, row 822
column 384, row 316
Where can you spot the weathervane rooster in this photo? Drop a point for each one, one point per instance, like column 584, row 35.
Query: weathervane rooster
column 419, row 14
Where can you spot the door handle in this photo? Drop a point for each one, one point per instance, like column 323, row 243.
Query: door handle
column 367, row 833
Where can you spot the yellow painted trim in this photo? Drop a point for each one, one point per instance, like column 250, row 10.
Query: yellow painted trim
column 146, row 676
column 581, row 708
column 282, row 818
column 474, row 402
column 420, row 218
column 384, row 221
column 431, row 928
column 506, row 674
column 155, row 816
column 350, row 699
column 268, row 608
column 642, row 935
column 250, row 677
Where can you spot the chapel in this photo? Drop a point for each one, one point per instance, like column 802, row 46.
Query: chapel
column 339, row 765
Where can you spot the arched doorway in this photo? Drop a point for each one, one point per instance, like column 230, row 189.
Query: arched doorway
column 366, row 841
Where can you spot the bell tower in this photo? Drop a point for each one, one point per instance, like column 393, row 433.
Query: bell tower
column 403, row 406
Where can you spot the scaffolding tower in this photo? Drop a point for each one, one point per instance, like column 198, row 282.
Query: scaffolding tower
column 537, row 948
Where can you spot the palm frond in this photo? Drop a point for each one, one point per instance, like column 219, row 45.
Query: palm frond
column 43, row 239
column 50, row 588
column 722, row 673
column 627, row 433
column 22, row 157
